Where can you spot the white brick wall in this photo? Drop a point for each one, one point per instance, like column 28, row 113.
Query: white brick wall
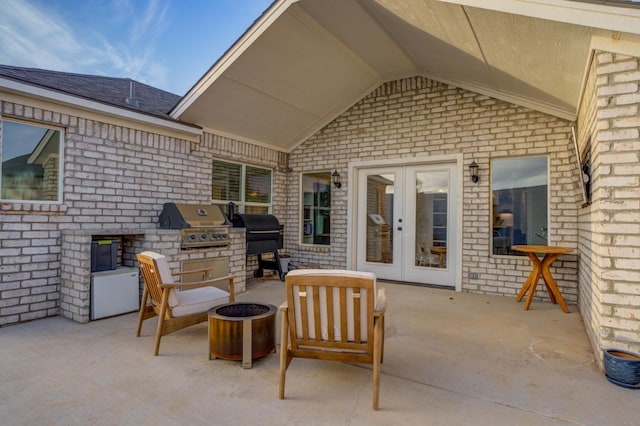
column 115, row 178
column 610, row 227
column 417, row 117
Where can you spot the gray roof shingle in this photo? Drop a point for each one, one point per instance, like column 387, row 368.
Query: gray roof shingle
column 107, row 90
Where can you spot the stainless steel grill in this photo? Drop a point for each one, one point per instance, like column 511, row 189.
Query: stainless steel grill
column 200, row 225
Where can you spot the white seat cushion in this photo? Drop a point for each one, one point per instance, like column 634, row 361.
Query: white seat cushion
column 198, row 300
column 185, row 302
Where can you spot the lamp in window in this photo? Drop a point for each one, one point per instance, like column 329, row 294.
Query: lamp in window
column 473, row 171
column 336, row 179
column 506, row 218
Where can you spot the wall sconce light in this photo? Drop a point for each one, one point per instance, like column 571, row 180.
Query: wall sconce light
column 473, row 171
column 336, row 179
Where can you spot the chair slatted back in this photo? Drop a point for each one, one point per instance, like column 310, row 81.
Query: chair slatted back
column 331, row 312
column 151, row 277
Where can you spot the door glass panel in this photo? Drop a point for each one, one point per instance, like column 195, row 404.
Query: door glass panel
column 380, row 193
column 432, row 189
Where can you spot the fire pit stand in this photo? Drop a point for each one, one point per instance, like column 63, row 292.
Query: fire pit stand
column 242, row 331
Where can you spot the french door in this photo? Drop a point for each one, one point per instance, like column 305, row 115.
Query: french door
column 407, row 223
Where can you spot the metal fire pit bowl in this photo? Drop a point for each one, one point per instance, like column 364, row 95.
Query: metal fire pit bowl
column 242, row 331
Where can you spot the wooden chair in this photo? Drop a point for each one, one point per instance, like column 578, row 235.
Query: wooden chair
column 333, row 315
column 177, row 305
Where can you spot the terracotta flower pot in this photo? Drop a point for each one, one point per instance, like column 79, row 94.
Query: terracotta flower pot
column 622, row 368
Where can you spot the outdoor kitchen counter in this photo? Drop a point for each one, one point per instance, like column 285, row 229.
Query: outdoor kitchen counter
column 541, row 268
column 75, row 259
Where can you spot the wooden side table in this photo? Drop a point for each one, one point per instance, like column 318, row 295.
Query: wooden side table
column 541, row 268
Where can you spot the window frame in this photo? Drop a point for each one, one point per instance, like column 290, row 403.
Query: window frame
column 241, row 204
column 60, row 155
column 547, row 157
column 302, row 208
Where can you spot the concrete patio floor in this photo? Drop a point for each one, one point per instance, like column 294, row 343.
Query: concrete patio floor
column 450, row 358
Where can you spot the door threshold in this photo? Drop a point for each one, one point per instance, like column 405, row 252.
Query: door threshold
column 438, row 286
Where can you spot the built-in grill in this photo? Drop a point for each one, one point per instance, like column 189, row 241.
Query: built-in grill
column 264, row 235
column 201, row 225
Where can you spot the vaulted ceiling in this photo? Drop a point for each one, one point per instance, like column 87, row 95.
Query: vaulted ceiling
column 305, row 62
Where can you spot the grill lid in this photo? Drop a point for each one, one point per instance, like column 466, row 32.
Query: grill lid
column 256, row 222
column 178, row 216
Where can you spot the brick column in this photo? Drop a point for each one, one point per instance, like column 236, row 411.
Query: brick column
column 615, row 212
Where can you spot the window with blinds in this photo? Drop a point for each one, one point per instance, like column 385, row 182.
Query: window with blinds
column 248, row 187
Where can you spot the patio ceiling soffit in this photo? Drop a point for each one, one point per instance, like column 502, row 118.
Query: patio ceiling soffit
column 303, row 63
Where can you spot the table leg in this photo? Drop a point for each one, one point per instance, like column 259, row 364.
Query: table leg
column 546, row 263
column 526, row 285
column 532, row 282
column 552, row 286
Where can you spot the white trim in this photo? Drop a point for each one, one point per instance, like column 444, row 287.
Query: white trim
column 622, row 45
column 447, row 158
column 301, row 211
column 231, row 55
column 547, row 156
column 59, row 155
column 614, row 18
column 102, row 108
column 241, row 186
column 352, row 190
column 551, row 109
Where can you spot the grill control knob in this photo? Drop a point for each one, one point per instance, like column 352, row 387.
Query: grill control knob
column 224, row 235
column 192, row 237
column 203, row 237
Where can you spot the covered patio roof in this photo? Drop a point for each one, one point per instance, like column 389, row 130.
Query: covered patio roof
column 305, row 62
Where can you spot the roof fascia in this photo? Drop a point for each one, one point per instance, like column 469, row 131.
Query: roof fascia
column 614, row 18
column 66, row 99
column 229, row 57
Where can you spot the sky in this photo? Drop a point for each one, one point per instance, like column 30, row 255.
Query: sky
column 168, row 44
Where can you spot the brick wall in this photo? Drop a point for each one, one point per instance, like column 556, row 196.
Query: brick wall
column 614, row 236
column 419, row 117
column 115, row 177
column 590, row 295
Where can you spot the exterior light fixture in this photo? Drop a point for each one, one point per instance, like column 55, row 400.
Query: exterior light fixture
column 336, row 179
column 473, row 171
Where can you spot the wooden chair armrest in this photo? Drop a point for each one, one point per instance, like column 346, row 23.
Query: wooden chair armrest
column 202, row 271
column 381, row 303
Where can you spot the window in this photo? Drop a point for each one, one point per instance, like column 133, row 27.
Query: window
column 31, row 166
column 316, row 208
column 519, row 197
column 247, row 186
